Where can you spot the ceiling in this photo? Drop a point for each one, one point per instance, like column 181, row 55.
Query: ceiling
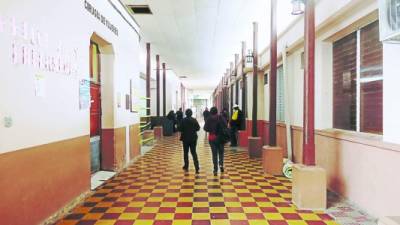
column 198, row 38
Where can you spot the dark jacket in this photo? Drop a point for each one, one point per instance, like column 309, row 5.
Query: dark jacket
column 171, row 116
column 214, row 123
column 206, row 114
column 225, row 115
column 237, row 123
column 188, row 128
column 179, row 115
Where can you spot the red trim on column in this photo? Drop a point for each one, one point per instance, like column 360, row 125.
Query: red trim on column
column 255, row 79
column 164, row 90
column 158, row 84
column 272, row 76
column 308, row 137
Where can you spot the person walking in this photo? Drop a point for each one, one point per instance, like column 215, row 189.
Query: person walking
column 235, row 125
column 188, row 128
column 225, row 114
column 179, row 116
column 214, row 126
column 206, row 114
column 171, row 117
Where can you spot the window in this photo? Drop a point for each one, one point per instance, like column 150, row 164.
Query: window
column 266, row 79
column 280, row 95
column 358, row 81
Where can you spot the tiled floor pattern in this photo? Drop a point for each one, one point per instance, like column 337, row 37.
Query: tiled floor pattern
column 155, row 191
column 99, row 178
column 346, row 213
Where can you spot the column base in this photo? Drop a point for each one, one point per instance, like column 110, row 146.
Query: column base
column 389, row 220
column 272, row 160
column 255, row 147
column 158, row 132
column 309, row 190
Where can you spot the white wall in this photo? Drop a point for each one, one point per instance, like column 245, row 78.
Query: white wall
column 56, row 116
column 295, row 87
column 173, row 90
column 391, row 93
column 260, row 97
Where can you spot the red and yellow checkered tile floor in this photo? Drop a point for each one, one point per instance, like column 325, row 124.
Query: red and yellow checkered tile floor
column 156, row 191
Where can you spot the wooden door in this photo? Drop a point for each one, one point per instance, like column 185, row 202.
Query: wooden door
column 95, row 110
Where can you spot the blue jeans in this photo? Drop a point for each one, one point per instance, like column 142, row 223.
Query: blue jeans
column 217, row 154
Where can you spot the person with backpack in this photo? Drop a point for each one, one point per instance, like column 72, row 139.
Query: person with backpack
column 188, row 128
column 216, row 126
column 235, row 124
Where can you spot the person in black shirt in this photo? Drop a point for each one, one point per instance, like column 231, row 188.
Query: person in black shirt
column 179, row 116
column 225, row 114
column 188, row 128
column 214, row 124
column 206, row 114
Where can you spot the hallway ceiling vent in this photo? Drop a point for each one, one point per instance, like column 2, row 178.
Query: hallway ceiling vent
column 183, row 77
column 141, row 9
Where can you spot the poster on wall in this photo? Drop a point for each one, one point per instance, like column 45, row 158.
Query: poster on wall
column 84, row 94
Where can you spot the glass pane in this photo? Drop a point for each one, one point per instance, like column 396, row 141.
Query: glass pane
column 371, row 80
column 344, row 82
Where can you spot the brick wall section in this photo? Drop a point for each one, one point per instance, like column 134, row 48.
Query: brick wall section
column 344, row 82
column 371, row 92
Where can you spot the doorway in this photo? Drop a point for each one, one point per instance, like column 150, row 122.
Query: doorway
column 95, row 107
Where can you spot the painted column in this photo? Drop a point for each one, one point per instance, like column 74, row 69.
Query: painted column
column 309, row 182
column 228, row 90
column 158, row 129
column 237, row 80
column 231, row 88
column 255, row 142
column 223, row 90
column 164, row 90
column 308, row 113
column 158, row 85
column 255, row 79
column 148, row 80
column 272, row 75
column 244, row 89
column 272, row 155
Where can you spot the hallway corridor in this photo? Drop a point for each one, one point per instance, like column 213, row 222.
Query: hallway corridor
column 155, row 191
